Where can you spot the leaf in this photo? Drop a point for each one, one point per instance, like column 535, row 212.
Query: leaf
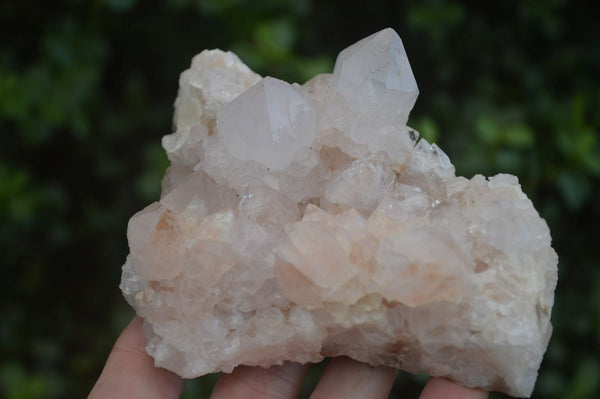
column 275, row 38
column 120, row 5
column 586, row 381
column 575, row 189
column 487, row 130
column 519, row 136
column 428, row 129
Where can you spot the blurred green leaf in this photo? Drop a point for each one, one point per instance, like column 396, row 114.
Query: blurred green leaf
column 120, row 5
column 575, row 188
column 434, row 19
column 586, row 381
column 212, row 7
column 156, row 162
column 552, row 383
column 427, row 129
column 274, row 39
column 311, row 67
column 16, row 383
column 519, row 136
column 487, row 130
column 509, row 161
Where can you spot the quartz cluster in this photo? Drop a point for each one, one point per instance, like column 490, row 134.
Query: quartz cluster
column 303, row 221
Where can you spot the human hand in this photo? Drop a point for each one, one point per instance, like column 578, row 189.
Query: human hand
column 130, row 373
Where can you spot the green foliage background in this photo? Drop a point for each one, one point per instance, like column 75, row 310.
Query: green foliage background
column 86, row 92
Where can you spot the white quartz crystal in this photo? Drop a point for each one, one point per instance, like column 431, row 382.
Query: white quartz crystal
column 299, row 222
column 268, row 124
column 373, row 87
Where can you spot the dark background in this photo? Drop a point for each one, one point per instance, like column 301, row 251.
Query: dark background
column 86, row 92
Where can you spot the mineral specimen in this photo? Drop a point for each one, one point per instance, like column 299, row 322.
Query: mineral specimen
column 299, row 222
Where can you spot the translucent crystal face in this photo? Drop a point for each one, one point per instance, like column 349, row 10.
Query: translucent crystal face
column 375, row 72
column 268, row 124
column 298, row 222
column 375, row 84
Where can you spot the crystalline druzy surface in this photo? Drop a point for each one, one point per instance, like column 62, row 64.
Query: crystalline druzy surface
column 298, row 222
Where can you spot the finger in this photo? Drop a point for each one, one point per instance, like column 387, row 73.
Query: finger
column 130, row 373
column 345, row 378
column 276, row 382
column 441, row 388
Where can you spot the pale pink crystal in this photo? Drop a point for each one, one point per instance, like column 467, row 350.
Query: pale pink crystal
column 298, row 222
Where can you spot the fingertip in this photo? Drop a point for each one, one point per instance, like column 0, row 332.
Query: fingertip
column 347, row 378
column 442, row 388
column 132, row 337
column 130, row 372
column 256, row 382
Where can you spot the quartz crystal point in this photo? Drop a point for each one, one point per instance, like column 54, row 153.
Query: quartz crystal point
column 299, row 222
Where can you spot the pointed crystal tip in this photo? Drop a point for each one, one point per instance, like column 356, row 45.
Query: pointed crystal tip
column 376, row 70
column 268, row 123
